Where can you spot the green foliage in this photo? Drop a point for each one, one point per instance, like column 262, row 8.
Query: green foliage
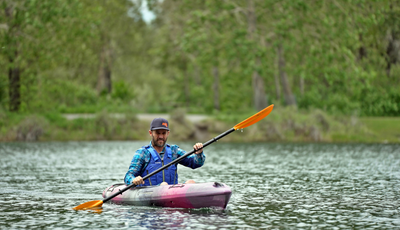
column 56, row 119
column 121, row 91
column 197, row 54
column 378, row 103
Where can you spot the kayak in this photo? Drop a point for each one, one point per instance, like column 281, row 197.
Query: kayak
column 197, row 195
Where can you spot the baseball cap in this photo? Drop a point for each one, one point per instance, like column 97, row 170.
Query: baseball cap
column 159, row 123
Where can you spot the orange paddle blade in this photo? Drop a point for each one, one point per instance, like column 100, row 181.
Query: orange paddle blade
column 89, row 205
column 255, row 118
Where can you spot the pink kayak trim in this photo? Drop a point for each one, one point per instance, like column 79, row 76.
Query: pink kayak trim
column 198, row 195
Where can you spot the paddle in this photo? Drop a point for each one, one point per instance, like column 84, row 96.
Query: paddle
column 246, row 123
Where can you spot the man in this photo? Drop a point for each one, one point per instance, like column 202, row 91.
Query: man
column 158, row 153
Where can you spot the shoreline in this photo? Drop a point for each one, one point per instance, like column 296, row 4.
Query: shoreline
column 281, row 126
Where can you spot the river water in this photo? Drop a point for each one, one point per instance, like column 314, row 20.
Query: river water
column 275, row 186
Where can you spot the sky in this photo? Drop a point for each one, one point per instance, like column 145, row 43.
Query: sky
column 148, row 16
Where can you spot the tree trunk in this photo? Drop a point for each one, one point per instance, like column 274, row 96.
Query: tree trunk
column 215, row 73
column 289, row 98
column 251, row 19
column 259, row 97
column 14, row 72
column 186, row 85
column 276, row 79
column 14, row 79
column 197, row 75
column 104, row 83
column 392, row 51
column 362, row 51
column 302, row 86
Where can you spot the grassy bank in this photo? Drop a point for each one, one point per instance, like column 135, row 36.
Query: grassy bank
column 385, row 129
column 282, row 125
column 292, row 125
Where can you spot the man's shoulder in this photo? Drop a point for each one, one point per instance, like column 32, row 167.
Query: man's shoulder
column 143, row 149
column 142, row 153
column 173, row 146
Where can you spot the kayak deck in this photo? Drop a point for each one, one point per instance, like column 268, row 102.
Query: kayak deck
column 197, row 195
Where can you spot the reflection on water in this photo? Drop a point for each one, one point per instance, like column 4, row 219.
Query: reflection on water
column 168, row 218
column 274, row 186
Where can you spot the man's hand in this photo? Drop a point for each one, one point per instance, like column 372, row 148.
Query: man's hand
column 138, row 180
column 198, row 146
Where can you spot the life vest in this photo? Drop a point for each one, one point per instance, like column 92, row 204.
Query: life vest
column 168, row 175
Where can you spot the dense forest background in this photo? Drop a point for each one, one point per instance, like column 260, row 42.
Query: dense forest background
column 85, row 56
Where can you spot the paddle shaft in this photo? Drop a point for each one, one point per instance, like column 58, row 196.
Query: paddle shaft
column 171, row 163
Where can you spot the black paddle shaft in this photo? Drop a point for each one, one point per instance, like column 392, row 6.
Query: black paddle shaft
column 171, row 163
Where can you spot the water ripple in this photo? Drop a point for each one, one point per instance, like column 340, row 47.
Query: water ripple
column 274, row 186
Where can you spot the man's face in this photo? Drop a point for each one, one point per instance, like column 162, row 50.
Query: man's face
column 159, row 137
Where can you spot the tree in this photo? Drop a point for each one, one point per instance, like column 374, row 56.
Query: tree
column 258, row 84
column 27, row 38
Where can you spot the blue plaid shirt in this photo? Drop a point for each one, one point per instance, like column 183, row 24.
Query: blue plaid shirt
column 142, row 158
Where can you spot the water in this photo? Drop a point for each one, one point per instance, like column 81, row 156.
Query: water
column 310, row 186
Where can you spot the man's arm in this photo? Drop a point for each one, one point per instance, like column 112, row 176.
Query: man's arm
column 192, row 161
column 138, row 163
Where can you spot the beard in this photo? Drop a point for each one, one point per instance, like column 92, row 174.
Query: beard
column 160, row 142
